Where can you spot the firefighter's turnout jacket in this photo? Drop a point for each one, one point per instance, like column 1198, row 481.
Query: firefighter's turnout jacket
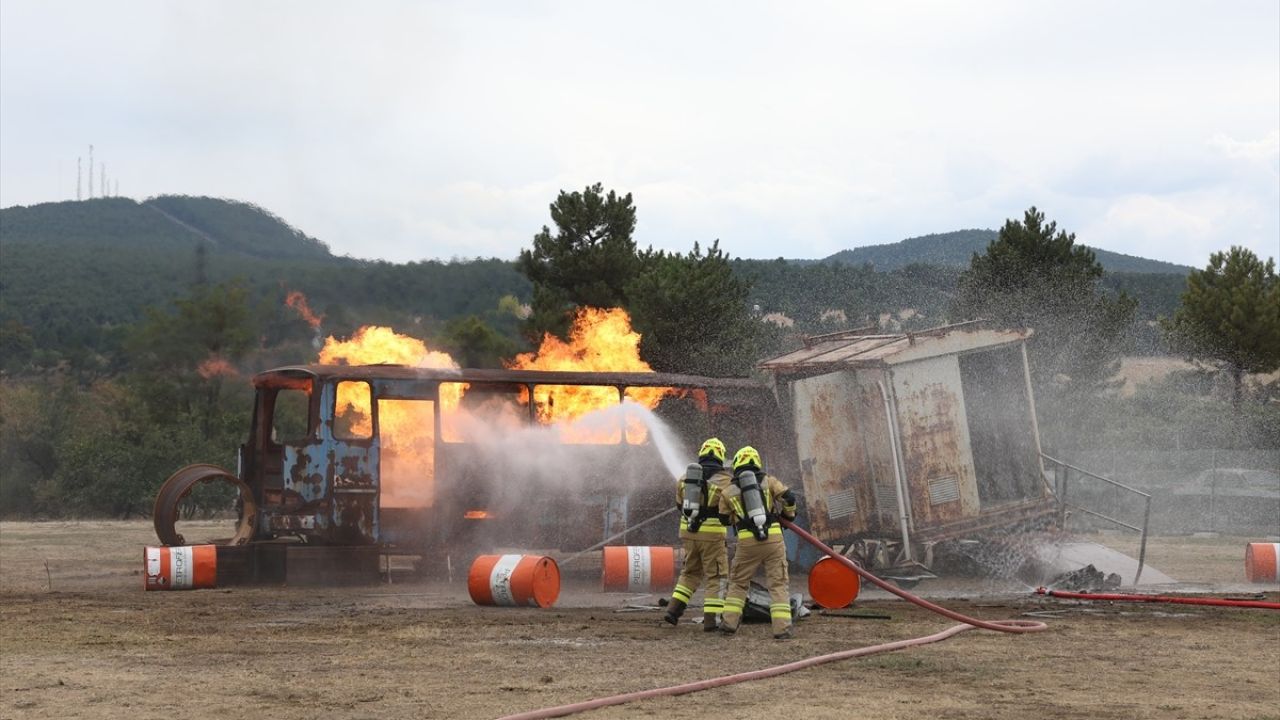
column 705, row 555
column 753, row 553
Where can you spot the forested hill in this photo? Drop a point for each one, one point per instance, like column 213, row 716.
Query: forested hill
column 74, row 274
column 164, row 224
column 956, row 249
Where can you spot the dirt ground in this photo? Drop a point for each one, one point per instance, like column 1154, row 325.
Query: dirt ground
column 79, row 638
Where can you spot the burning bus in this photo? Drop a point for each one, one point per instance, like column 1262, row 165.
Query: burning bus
column 348, row 459
column 898, row 443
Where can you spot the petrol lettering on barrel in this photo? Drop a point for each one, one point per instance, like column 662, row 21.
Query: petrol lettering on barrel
column 639, row 579
column 180, row 561
column 500, row 580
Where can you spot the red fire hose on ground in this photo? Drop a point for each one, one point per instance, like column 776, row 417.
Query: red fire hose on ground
column 1009, row 626
column 1220, row 602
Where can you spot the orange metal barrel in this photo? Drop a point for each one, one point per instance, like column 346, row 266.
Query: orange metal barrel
column 638, row 568
column 1262, row 562
column 522, row 580
column 185, row 567
column 832, row 584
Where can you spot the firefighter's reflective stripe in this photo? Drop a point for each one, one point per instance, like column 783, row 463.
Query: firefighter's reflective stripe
column 774, row 529
column 780, row 610
column 710, row 526
column 712, row 605
column 734, row 604
column 682, row 593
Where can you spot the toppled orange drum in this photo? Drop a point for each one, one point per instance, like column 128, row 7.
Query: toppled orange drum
column 638, row 568
column 1262, row 562
column 185, row 567
column 832, row 584
column 521, row 580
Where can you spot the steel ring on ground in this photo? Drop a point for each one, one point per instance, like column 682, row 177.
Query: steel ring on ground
column 180, row 484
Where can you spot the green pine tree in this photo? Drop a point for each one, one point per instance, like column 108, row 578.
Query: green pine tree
column 587, row 262
column 1230, row 313
column 691, row 313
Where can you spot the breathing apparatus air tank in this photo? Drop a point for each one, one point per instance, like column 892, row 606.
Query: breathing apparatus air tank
column 753, row 505
column 692, row 504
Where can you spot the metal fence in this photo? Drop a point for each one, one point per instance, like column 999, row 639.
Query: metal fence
column 1234, row 492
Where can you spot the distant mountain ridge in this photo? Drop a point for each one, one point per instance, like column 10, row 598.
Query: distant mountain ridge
column 164, row 223
column 956, row 249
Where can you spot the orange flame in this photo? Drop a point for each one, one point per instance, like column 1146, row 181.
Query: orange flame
column 298, row 301
column 407, row 427
column 601, row 341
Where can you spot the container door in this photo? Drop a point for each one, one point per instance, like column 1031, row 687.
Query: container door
column 831, row 445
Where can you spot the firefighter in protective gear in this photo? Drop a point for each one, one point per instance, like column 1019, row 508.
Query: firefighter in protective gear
column 703, row 532
column 758, row 545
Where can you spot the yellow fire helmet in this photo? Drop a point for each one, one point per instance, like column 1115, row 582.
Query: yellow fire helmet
column 714, row 448
column 747, row 456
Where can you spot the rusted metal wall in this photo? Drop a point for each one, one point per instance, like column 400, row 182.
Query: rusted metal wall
column 833, row 465
column 937, row 460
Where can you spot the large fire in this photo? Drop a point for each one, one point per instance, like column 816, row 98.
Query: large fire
column 407, row 427
column 600, row 341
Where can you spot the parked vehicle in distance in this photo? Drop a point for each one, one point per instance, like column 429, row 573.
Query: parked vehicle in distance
column 1230, row 500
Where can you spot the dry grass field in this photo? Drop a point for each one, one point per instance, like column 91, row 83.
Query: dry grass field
column 79, row 638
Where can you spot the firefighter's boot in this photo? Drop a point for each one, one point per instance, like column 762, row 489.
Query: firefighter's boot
column 675, row 609
column 710, row 622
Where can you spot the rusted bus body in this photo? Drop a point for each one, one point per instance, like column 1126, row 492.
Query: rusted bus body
column 317, row 473
column 914, row 438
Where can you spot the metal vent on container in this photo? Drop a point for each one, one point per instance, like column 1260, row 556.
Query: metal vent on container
column 886, row 498
column 841, row 504
column 944, row 490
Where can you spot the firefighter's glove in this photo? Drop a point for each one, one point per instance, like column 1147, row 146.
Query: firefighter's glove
column 789, row 505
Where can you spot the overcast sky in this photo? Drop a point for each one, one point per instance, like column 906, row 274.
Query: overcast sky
column 416, row 130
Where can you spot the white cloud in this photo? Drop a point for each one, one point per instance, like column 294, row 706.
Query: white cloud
column 1265, row 150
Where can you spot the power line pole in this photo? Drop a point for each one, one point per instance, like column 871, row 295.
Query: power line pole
column 90, row 172
column 78, row 178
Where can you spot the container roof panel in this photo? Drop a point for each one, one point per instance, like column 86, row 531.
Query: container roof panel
column 835, row 352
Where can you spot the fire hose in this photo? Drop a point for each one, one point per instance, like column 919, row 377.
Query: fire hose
column 1009, row 626
column 1121, row 597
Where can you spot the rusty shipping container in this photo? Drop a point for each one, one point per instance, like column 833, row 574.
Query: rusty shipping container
column 914, row 438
